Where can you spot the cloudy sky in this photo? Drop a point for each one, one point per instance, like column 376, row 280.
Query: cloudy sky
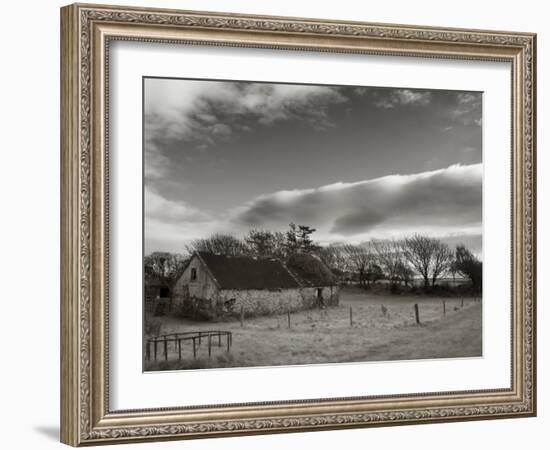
column 353, row 162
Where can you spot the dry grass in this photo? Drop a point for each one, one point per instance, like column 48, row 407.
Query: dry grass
column 383, row 328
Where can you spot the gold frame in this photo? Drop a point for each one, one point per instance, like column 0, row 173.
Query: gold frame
column 86, row 31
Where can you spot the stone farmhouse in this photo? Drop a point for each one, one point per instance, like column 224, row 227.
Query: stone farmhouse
column 215, row 286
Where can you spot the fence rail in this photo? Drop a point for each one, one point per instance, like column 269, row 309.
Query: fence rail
column 196, row 337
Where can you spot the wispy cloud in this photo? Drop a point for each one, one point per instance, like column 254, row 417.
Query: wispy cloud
column 399, row 97
column 201, row 111
column 200, row 114
column 468, row 108
column 167, row 211
column 168, row 225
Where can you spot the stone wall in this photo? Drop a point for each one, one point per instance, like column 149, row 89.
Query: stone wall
column 193, row 298
column 260, row 302
column 228, row 303
column 202, row 287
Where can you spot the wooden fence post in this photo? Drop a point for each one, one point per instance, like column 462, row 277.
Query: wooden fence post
column 165, row 348
column 242, row 316
column 209, row 345
column 416, row 314
column 350, row 316
column 288, row 316
column 179, row 348
column 155, row 349
column 444, row 308
column 194, row 348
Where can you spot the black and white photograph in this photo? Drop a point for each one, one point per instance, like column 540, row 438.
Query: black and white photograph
column 295, row 224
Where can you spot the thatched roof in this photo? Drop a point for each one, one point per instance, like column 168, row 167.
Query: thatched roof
column 245, row 272
column 310, row 270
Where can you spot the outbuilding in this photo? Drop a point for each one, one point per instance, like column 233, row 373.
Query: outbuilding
column 157, row 294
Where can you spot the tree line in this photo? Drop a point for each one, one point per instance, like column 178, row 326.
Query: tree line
column 398, row 261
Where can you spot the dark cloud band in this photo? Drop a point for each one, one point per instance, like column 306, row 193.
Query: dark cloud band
column 446, row 198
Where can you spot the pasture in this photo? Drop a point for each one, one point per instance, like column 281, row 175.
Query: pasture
column 364, row 327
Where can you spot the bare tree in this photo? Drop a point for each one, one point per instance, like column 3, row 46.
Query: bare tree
column 418, row 250
column 267, row 243
column 260, row 242
column 430, row 257
column 468, row 265
column 442, row 260
column 334, row 256
column 389, row 254
column 279, row 245
column 223, row 244
column 164, row 265
column 404, row 272
column 358, row 259
column 374, row 272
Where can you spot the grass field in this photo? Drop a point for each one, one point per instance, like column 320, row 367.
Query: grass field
column 383, row 328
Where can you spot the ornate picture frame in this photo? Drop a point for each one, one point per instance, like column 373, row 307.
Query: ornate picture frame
column 86, row 34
